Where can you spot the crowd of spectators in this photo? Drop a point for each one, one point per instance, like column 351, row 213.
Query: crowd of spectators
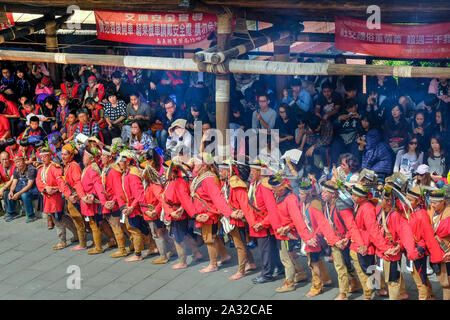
column 397, row 125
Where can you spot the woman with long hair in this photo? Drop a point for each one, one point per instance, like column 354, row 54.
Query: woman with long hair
column 420, row 128
column 396, row 129
column 140, row 140
column 423, row 177
column 436, row 159
column 408, row 159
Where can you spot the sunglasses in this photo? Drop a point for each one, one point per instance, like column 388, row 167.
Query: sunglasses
column 412, row 142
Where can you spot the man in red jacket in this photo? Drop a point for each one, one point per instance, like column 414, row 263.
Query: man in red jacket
column 311, row 213
column 112, row 198
column 373, row 239
column 423, row 232
column 440, row 218
column 209, row 204
column 344, row 236
column 133, row 190
column 70, row 186
column 47, row 182
column 153, row 210
column 289, row 226
column 396, row 230
column 262, row 201
column 235, row 191
column 178, row 207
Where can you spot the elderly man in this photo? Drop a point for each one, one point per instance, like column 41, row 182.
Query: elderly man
column 23, row 187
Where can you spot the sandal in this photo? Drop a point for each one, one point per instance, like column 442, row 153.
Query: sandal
column 59, row 246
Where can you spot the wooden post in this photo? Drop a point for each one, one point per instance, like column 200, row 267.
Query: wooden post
column 281, row 53
column 223, row 83
column 51, row 44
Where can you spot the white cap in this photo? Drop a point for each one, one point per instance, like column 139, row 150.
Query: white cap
column 422, row 169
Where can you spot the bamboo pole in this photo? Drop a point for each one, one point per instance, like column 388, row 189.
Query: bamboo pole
column 235, row 66
column 224, row 22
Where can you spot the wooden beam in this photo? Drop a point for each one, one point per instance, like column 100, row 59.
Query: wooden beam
column 235, row 66
column 31, row 27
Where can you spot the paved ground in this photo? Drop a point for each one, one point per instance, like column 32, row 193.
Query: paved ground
column 30, row 269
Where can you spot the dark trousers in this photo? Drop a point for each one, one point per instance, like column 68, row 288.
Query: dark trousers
column 109, row 134
column 270, row 257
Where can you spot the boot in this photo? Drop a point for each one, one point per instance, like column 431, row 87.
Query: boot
column 120, row 239
column 97, row 235
column 50, row 224
column 286, row 287
column 106, row 229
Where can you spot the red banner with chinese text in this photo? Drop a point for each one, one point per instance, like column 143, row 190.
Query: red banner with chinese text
column 8, row 23
column 394, row 41
column 162, row 29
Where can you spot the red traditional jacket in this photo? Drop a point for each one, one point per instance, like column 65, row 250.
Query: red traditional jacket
column 133, row 190
column 208, row 198
column 343, row 225
column 6, row 173
column 312, row 216
column 153, row 197
column 71, row 180
column 263, row 202
column 89, row 181
column 441, row 227
column 72, row 93
column 111, row 182
column 237, row 195
column 50, row 176
column 176, row 194
column 98, row 114
column 423, row 232
column 399, row 233
column 290, row 215
column 366, row 221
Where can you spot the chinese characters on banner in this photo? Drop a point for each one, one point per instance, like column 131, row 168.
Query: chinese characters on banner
column 396, row 41
column 9, row 23
column 163, row 29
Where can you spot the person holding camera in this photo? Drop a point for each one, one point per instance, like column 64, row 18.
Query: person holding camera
column 346, row 128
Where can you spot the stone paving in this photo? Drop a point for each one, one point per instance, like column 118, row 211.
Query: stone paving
column 30, row 269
